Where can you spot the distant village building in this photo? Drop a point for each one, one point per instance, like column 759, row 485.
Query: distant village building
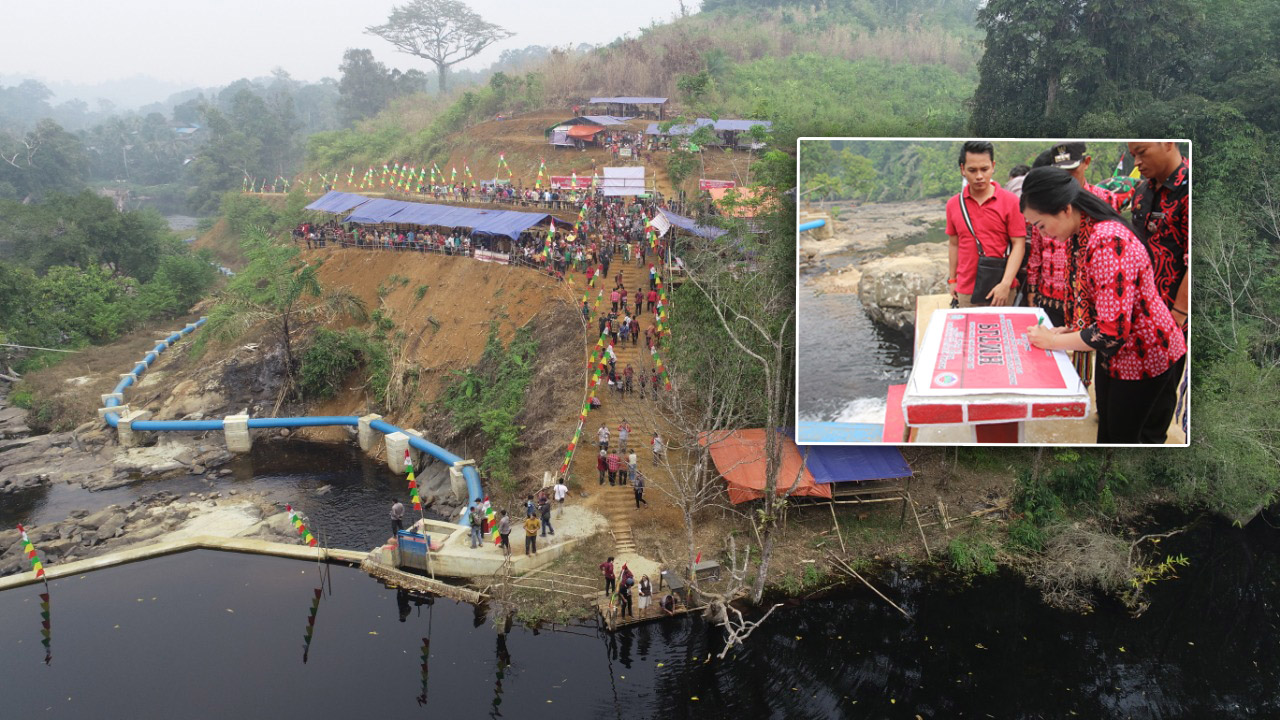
column 582, row 130
column 631, row 106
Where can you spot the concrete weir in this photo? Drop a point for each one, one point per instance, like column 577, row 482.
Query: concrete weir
column 242, row 545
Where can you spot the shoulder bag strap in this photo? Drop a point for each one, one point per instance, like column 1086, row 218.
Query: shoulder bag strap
column 964, row 210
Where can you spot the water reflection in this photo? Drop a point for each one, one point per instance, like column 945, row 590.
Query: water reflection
column 424, row 656
column 1208, row 647
column 46, row 627
column 503, row 661
column 311, row 620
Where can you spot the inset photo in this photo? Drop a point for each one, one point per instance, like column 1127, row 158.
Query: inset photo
column 956, row 291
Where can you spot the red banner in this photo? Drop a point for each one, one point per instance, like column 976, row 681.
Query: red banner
column 705, row 184
column 566, row 181
column 990, row 351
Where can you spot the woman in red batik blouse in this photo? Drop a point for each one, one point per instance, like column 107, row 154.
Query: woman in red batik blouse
column 1111, row 294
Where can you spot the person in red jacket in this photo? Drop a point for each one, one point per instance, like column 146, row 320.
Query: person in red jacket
column 1112, row 307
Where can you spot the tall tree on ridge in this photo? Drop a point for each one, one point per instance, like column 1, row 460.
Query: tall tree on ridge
column 446, row 32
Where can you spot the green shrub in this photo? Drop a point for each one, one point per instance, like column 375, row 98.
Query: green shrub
column 489, row 397
column 972, row 555
column 245, row 212
column 1025, row 535
column 21, row 398
column 332, row 356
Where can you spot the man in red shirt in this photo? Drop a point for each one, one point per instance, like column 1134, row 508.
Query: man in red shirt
column 997, row 221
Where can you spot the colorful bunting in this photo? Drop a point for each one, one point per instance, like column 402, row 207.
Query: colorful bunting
column 426, row 652
column 413, row 484
column 30, row 550
column 302, row 529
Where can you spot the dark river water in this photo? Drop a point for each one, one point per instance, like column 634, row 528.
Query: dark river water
column 846, row 361
column 352, row 513
column 218, row 635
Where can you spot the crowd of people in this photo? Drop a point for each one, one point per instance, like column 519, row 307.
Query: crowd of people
column 608, row 227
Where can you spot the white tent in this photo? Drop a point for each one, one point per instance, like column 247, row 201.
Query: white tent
column 623, row 181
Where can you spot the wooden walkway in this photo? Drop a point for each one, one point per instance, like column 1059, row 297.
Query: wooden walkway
column 610, row 619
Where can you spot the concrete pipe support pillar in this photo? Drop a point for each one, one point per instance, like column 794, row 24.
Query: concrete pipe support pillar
column 397, row 443
column 457, row 482
column 236, row 429
column 129, row 438
column 367, row 436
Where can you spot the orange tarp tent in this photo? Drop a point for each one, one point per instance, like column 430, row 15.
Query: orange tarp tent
column 585, row 132
column 739, row 458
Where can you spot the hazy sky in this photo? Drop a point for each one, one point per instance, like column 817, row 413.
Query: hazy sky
column 213, row 42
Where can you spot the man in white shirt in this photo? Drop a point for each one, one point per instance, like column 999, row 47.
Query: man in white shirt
column 560, row 492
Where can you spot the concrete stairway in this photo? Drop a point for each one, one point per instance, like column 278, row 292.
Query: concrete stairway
column 618, row 503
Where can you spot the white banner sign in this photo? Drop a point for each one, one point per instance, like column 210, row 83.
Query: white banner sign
column 487, row 256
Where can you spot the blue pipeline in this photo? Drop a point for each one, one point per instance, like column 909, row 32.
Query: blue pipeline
column 206, row 425
column 812, row 224
column 177, row 425
column 474, row 489
column 469, row 473
column 113, row 419
column 297, row 422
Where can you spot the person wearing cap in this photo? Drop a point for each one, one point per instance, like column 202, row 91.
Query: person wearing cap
column 397, row 517
column 998, row 224
column 1160, row 219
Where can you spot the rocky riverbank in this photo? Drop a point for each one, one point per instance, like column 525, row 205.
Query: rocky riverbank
column 871, row 227
column 88, row 456
column 861, row 258
column 158, row 517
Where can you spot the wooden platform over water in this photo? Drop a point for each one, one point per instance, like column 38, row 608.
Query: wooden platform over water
column 610, row 619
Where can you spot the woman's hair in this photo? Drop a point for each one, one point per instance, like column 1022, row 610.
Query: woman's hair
column 1050, row 190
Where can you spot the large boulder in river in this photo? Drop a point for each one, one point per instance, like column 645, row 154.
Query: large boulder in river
column 890, row 285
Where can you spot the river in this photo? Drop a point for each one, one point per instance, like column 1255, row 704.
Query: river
column 846, row 361
column 209, row 634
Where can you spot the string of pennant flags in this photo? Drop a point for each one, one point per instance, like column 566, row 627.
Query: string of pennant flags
column 407, row 177
column 599, row 359
column 302, row 529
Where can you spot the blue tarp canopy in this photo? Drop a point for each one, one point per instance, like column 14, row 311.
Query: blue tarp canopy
column 740, row 124
column 337, row 202
column 686, row 129
column 845, row 463
column 688, row 224
column 508, row 222
column 438, row 215
column 717, row 125
column 377, row 210
column 489, row 222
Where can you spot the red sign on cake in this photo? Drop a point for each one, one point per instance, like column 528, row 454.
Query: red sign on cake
column 991, row 352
